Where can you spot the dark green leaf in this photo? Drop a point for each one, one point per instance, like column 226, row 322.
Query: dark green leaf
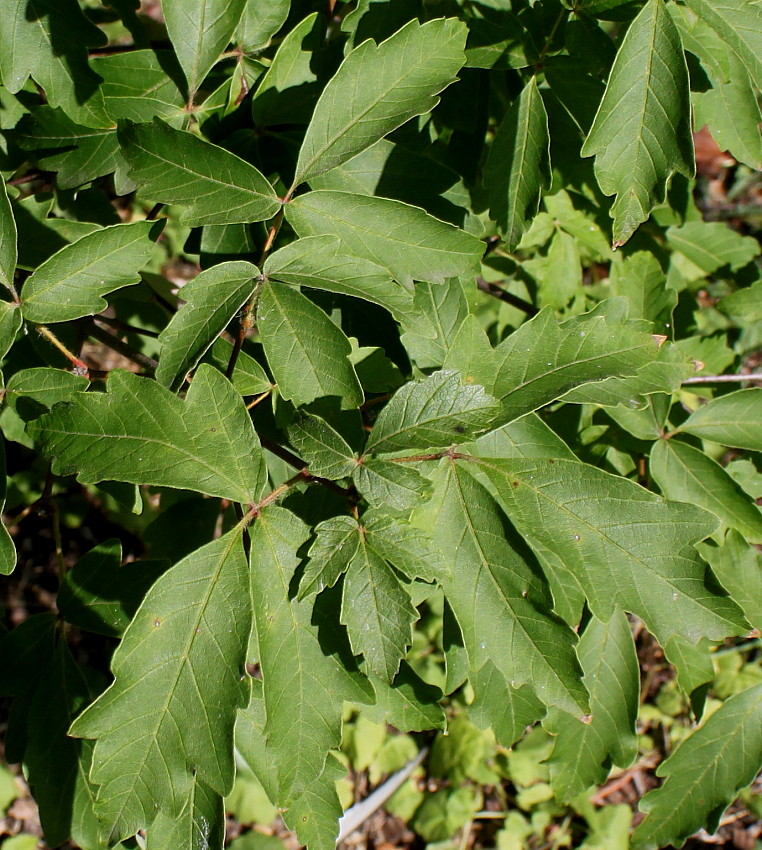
column 408, row 548
column 738, row 566
column 141, row 84
column 336, row 541
column 504, row 708
column 324, row 449
column 8, row 254
column 259, row 23
column 732, row 420
column 392, row 486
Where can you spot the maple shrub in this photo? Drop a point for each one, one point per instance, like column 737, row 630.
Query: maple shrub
column 434, row 426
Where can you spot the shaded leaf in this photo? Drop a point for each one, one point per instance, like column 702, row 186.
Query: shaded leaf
column 306, row 351
column 70, row 284
column 430, row 333
column 168, row 718
column 704, row 774
column 731, row 419
column 141, row 433
column 378, row 88
column 324, row 449
column 409, row 704
column 212, row 299
column 141, row 84
column 8, row 253
column 738, row 566
column 405, row 546
column 335, row 545
column 641, row 135
column 175, row 167
column 502, row 707
column 402, row 238
column 617, row 538
column 711, row 245
column 7, row 547
column 518, row 167
column 249, row 378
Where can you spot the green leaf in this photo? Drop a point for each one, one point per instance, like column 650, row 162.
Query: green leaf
column 518, row 167
column 212, row 299
column 618, row 538
column 390, row 486
column 44, row 385
column 8, row 253
column 639, row 278
column 529, row 436
column 498, row 598
column 259, row 23
column 406, row 547
column 214, row 185
column 435, row 412
column 48, row 40
column 378, row 613
column 410, row 704
column 200, row 30
column 201, row 823
column 335, row 544
column 70, row 284
column 249, row 378
column 744, row 305
column 686, row 474
column 320, row 262
column 136, row 86
column 711, row 245
column 496, row 41
column 10, row 324
column 731, row 419
column 739, row 24
column 307, row 353
column 141, row 433
column 704, row 774
column 168, row 718
column 584, row 752
column 378, row 88
column 100, row 596
column 499, row 706
column 543, row 360
column 641, row 135
column 738, row 566
column 7, row 548
column 404, row 239
column 430, row 333
column 324, row 449
column 88, row 152
column 314, row 814
column 471, row 354
column 304, row 683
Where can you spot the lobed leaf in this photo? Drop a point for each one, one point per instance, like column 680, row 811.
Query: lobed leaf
column 335, row 545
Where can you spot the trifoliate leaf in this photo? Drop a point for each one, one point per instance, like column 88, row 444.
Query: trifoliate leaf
column 212, row 299
column 306, row 351
column 176, row 167
column 731, row 419
column 378, row 88
column 141, row 433
column 498, row 598
column 518, row 167
column 641, row 135
column 435, row 412
column 168, row 718
column 704, row 774
column 584, row 752
column 70, row 284
column 616, row 538
column 407, row 241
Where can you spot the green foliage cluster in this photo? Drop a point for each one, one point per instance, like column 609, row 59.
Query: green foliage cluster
column 432, row 428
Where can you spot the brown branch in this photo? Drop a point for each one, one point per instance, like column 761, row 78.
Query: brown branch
column 503, row 295
column 116, row 344
column 119, row 325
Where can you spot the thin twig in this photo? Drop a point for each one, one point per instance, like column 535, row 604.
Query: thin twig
column 756, row 377
column 78, row 364
column 119, row 325
column 116, row 344
column 503, row 295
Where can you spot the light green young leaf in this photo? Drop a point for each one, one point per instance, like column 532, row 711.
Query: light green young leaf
column 378, row 613
column 390, row 486
column 739, row 24
column 335, row 544
column 324, row 449
column 307, row 353
column 48, row 40
column 321, row 262
column 137, row 87
column 175, row 167
column 640, row 279
column 518, row 167
column 70, row 284
column 731, row 419
column 199, row 31
column 435, row 412
column 641, row 135
column 259, row 23
column 712, row 244
column 378, row 88
column 543, row 360
column 704, row 774
column 212, row 299
column 304, row 684
column 616, row 538
column 8, row 252
column 686, row 474
column 584, row 753
column 404, row 239
column 738, row 566
column 498, row 598
column 141, row 433
column 168, row 717
column 200, row 824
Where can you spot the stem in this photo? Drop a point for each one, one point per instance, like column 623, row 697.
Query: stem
column 546, row 47
column 116, row 344
column 503, row 295
column 79, row 365
column 119, row 325
column 756, row 377
column 292, row 460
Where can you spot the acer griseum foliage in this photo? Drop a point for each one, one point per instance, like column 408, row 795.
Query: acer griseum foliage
column 439, row 352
